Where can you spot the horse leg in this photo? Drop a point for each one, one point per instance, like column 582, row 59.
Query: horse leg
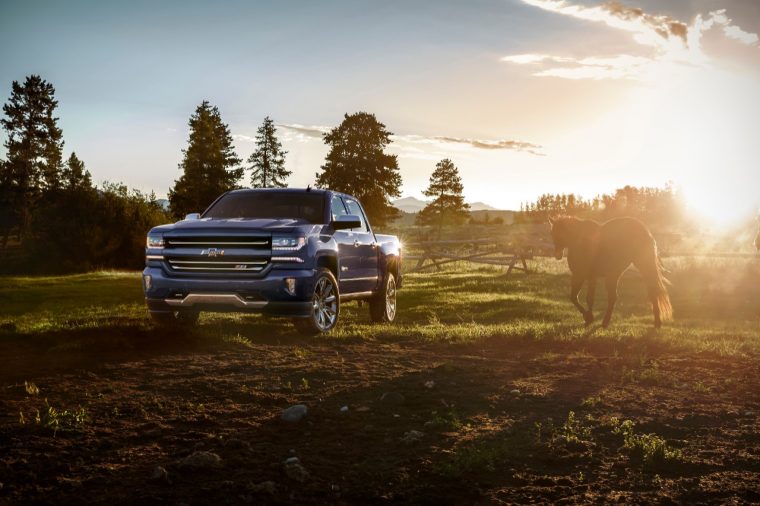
column 590, row 293
column 611, row 283
column 575, row 288
column 654, row 296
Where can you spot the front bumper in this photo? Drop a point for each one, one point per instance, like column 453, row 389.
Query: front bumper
column 268, row 295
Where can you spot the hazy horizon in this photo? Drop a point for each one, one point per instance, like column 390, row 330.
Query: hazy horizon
column 525, row 96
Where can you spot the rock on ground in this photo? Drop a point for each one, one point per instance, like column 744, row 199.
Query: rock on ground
column 295, row 471
column 268, row 487
column 295, row 413
column 412, row 436
column 201, row 460
column 160, row 474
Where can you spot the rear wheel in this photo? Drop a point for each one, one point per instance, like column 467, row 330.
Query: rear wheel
column 325, row 306
column 382, row 306
column 175, row 318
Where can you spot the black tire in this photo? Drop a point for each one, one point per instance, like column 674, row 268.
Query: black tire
column 175, row 318
column 326, row 306
column 382, row 305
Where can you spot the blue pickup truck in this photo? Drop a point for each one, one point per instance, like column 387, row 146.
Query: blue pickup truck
column 284, row 252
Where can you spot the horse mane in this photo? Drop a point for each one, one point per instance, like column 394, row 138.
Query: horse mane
column 565, row 218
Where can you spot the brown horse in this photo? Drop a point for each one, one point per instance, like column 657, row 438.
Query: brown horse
column 606, row 251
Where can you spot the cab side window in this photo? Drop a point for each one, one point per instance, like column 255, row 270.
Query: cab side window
column 337, row 208
column 355, row 209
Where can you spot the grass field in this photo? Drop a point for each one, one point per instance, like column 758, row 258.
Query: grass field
column 716, row 305
column 506, row 395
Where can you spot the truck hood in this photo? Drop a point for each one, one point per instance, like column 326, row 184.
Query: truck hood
column 236, row 224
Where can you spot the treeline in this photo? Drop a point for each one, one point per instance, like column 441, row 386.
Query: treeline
column 52, row 217
column 654, row 206
column 357, row 163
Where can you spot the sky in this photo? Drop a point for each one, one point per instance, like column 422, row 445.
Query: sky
column 525, row 96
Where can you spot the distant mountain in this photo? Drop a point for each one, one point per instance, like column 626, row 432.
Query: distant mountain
column 409, row 204
column 415, row 205
column 481, row 206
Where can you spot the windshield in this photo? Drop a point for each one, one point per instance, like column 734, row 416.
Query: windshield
column 303, row 206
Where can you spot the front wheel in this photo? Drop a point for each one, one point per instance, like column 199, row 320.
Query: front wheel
column 325, row 306
column 382, row 306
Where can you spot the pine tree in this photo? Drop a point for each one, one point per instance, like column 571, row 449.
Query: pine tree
column 268, row 161
column 74, row 176
column 448, row 205
column 356, row 164
column 34, row 151
column 210, row 165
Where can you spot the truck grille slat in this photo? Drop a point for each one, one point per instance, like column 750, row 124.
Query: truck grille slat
column 255, row 242
column 211, row 262
column 219, row 243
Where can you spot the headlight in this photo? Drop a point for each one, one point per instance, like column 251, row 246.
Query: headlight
column 286, row 243
column 155, row 241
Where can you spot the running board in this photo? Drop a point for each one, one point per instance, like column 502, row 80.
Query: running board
column 355, row 296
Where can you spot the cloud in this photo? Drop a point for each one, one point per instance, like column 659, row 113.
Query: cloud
column 309, row 131
column 318, row 132
column 530, row 59
column 487, row 144
column 730, row 30
column 614, row 67
column 651, row 30
column 672, row 42
column 244, row 138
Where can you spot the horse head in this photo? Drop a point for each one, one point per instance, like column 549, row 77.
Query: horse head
column 560, row 230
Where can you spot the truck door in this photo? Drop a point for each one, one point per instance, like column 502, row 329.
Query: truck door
column 366, row 249
column 348, row 255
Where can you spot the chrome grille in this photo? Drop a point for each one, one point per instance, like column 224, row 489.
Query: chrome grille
column 217, row 254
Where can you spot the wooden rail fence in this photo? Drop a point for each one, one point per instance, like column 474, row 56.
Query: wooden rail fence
column 434, row 254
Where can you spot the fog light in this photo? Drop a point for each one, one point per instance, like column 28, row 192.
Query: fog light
column 148, row 281
column 290, row 285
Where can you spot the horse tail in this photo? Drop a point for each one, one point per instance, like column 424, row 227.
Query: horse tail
column 663, row 302
column 653, row 272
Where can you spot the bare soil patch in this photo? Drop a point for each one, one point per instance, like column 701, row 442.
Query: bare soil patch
column 476, row 423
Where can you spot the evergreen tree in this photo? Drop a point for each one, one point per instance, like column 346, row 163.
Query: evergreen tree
column 34, row 151
column 74, row 175
column 210, row 165
column 8, row 212
column 448, row 205
column 268, row 161
column 356, row 164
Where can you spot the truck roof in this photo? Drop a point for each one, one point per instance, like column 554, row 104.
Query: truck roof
column 289, row 190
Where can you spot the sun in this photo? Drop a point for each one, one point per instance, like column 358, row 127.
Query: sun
column 716, row 204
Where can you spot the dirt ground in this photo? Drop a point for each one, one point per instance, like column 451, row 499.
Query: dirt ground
column 491, row 422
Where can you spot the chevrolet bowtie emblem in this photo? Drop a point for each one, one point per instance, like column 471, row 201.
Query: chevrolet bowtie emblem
column 213, row 252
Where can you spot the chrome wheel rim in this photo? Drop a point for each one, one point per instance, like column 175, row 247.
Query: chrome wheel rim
column 325, row 304
column 390, row 299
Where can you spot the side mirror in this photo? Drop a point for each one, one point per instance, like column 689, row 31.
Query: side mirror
column 193, row 216
column 347, row 221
